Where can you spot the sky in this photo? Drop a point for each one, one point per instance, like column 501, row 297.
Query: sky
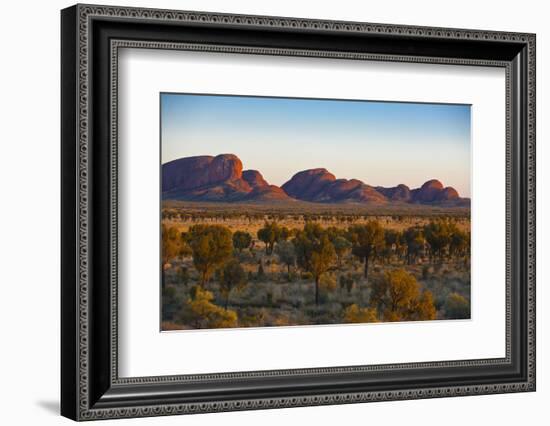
column 380, row 143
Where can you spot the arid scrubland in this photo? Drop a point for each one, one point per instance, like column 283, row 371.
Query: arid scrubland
column 232, row 265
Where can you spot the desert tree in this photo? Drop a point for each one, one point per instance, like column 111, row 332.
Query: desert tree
column 233, row 278
column 269, row 235
column 367, row 240
column 314, row 252
column 284, row 234
column 398, row 296
column 414, row 240
column 460, row 243
column 241, row 240
column 438, row 235
column 341, row 248
column 321, row 260
column 173, row 245
column 287, row 255
column 392, row 241
column 211, row 246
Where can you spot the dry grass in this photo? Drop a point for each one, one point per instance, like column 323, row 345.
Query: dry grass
column 277, row 299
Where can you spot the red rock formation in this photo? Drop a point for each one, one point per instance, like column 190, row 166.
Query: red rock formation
column 309, row 184
column 194, row 172
column 448, row 193
column 400, row 192
column 433, row 192
column 254, row 178
column 268, row 193
column 221, row 178
column 321, row 186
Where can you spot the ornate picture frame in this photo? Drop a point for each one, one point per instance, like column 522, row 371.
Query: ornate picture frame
column 91, row 37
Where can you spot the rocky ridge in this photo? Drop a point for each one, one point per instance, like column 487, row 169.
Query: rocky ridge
column 222, row 178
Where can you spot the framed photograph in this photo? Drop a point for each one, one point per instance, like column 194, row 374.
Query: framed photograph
column 263, row 212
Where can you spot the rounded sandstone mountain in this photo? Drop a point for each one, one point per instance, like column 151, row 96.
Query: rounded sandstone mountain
column 222, row 179
column 194, row 172
column 254, row 178
column 226, row 167
column 448, row 193
column 432, row 184
column 400, row 192
column 308, row 184
column 321, row 186
column 434, row 191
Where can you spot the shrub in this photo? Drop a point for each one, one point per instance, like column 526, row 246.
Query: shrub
column 457, row 307
column 355, row 314
column 200, row 312
column 183, row 275
column 328, row 282
column 427, row 271
column 287, row 255
column 260, row 276
column 397, row 295
column 306, row 275
column 241, row 240
column 347, row 282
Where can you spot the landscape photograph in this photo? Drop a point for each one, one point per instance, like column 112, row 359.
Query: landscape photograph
column 303, row 212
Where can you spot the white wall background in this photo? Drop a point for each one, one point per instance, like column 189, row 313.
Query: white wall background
column 29, row 214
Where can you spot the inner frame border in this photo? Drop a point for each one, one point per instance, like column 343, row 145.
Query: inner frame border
column 117, row 44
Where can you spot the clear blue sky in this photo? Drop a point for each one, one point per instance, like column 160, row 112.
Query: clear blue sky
column 380, row 143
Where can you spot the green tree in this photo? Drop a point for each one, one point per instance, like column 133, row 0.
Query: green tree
column 366, row 241
column 397, row 295
column 321, row 260
column 392, row 241
column 241, row 240
column 211, row 246
column 284, row 234
column 173, row 245
column 438, row 235
column 414, row 240
column 460, row 243
column 341, row 247
column 314, row 252
column 233, row 278
column 287, row 254
column 269, row 234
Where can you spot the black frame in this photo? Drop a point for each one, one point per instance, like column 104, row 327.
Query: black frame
column 90, row 386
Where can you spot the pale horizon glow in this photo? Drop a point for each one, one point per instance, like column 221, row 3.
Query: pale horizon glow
column 380, row 143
